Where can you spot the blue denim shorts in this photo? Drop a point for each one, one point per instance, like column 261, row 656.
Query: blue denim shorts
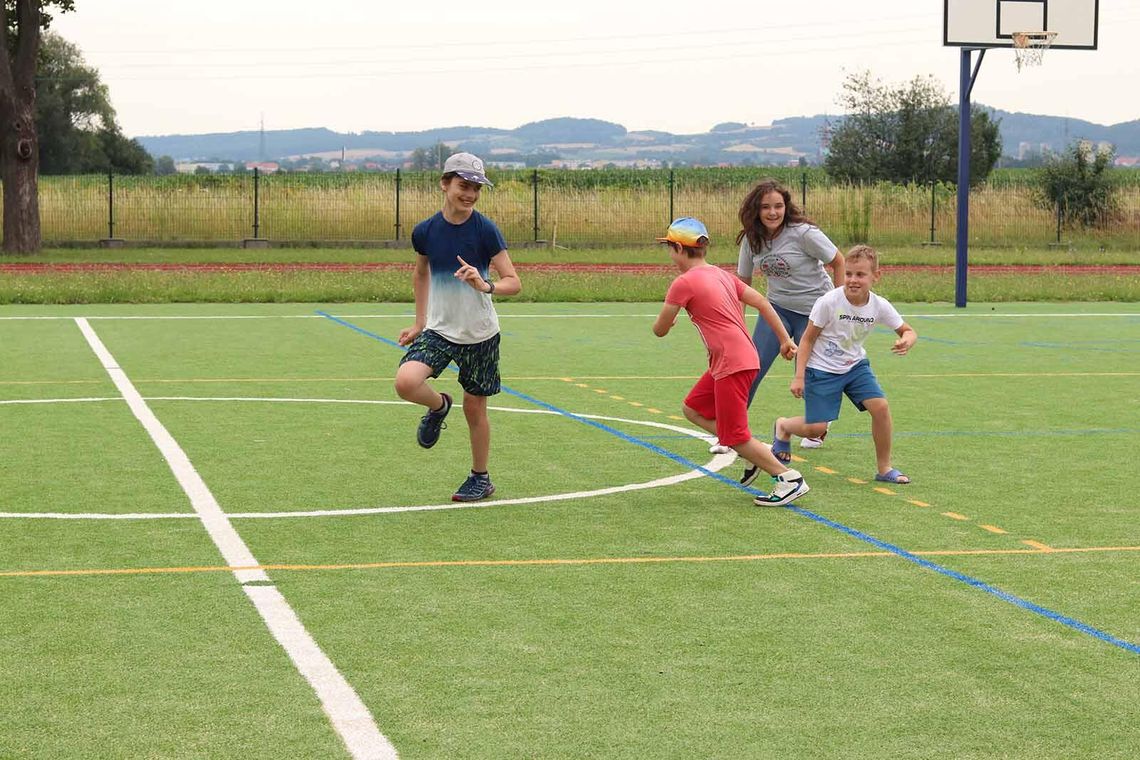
column 824, row 391
column 478, row 363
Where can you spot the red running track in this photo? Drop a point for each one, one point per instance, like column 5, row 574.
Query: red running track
column 38, row 267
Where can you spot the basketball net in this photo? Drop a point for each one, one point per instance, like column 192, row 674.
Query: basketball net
column 1029, row 47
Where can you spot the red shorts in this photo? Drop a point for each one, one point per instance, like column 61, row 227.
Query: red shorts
column 725, row 401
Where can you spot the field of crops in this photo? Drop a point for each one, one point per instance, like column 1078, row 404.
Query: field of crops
column 570, row 208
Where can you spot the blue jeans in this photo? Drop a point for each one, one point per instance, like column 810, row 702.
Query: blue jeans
column 768, row 344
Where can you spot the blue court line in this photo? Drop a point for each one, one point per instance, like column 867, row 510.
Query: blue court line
column 1005, row 596
column 992, row 433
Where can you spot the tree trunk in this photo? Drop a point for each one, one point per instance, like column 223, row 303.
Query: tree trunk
column 19, row 167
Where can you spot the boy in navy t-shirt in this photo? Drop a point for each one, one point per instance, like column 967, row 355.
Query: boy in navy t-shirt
column 455, row 318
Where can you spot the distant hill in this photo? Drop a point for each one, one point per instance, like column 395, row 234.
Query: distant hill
column 576, row 141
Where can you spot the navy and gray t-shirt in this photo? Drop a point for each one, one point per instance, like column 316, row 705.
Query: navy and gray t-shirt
column 455, row 310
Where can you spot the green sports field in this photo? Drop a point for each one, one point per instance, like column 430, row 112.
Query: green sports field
column 218, row 539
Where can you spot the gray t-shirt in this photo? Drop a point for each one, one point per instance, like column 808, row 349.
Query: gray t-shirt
column 793, row 265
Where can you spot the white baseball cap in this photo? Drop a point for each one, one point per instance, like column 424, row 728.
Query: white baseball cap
column 468, row 166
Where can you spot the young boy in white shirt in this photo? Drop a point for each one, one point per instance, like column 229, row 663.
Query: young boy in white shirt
column 831, row 362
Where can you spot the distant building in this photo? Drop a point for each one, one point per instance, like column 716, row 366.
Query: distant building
column 189, row 167
column 264, row 167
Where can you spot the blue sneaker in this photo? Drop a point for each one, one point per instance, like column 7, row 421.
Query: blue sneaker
column 474, row 488
column 431, row 423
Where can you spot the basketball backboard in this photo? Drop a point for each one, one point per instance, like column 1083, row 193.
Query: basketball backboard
column 992, row 23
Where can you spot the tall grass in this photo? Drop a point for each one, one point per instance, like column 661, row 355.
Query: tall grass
column 580, row 209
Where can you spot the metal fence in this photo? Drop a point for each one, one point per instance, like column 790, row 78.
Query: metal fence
column 565, row 208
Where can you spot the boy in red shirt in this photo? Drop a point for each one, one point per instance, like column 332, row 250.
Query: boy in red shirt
column 718, row 402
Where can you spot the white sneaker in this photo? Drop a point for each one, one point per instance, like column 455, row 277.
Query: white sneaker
column 814, row 443
column 788, row 486
column 716, row 448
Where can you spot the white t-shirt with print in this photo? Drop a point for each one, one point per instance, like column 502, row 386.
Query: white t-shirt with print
column 844, row 328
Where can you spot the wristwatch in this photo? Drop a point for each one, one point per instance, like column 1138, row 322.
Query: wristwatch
column 491, row 285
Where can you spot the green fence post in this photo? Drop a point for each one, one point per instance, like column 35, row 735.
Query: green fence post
column 397, row 203
column 110, row 205
column 671, row 217
column 932, row 210
column 534, row 181
column 256, row 204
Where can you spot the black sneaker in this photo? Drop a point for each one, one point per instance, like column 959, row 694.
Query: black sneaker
column 431, row 423
column 750, row 473
column 474, row 488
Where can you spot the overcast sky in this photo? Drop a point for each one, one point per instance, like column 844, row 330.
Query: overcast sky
column 197, row 66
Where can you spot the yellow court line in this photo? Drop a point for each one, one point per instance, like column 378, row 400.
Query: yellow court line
column 887, row 491
column 857, row 482
column 917, row 503
column 557, row 561
column 1038, row 545
column 826, row 471
column 1024, row 374
column 955, row 516
column 535, row 377
column 618, row 398
column 620, row 377
column 50, row 382
column 600, row 390
column 992, row 529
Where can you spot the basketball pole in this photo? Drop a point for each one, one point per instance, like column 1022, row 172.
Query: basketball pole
column 965, row 86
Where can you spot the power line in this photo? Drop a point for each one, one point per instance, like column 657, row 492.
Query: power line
column 763, row 31
column 469, row 69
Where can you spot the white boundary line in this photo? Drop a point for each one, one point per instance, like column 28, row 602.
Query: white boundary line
column 944, row 315
column 347, row 713
column 716, row 464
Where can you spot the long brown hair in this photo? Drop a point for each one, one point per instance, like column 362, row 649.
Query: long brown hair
column 751, row 226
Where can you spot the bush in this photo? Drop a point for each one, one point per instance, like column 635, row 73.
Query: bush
column 1080, row 184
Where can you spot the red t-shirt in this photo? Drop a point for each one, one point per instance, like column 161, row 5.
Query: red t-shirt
column 712, row 297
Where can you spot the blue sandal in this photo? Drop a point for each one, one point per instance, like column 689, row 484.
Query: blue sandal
column 893, row 476
column 782, row 450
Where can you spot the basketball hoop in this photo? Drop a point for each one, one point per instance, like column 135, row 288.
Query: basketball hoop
column 1029, row 47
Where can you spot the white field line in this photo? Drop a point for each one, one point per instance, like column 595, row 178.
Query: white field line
column 716, row 464
column 15, row 401
column 347, row 713
column 341, row 703
column 948, row 315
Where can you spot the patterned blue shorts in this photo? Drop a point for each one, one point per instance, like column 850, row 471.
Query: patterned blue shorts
column 478, row 363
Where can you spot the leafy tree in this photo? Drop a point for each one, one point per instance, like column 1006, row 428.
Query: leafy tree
column 431, row 158
column 76, row 123
column 22, row 22
column 1079, row 182
column 906, row 134
column 165, row 166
